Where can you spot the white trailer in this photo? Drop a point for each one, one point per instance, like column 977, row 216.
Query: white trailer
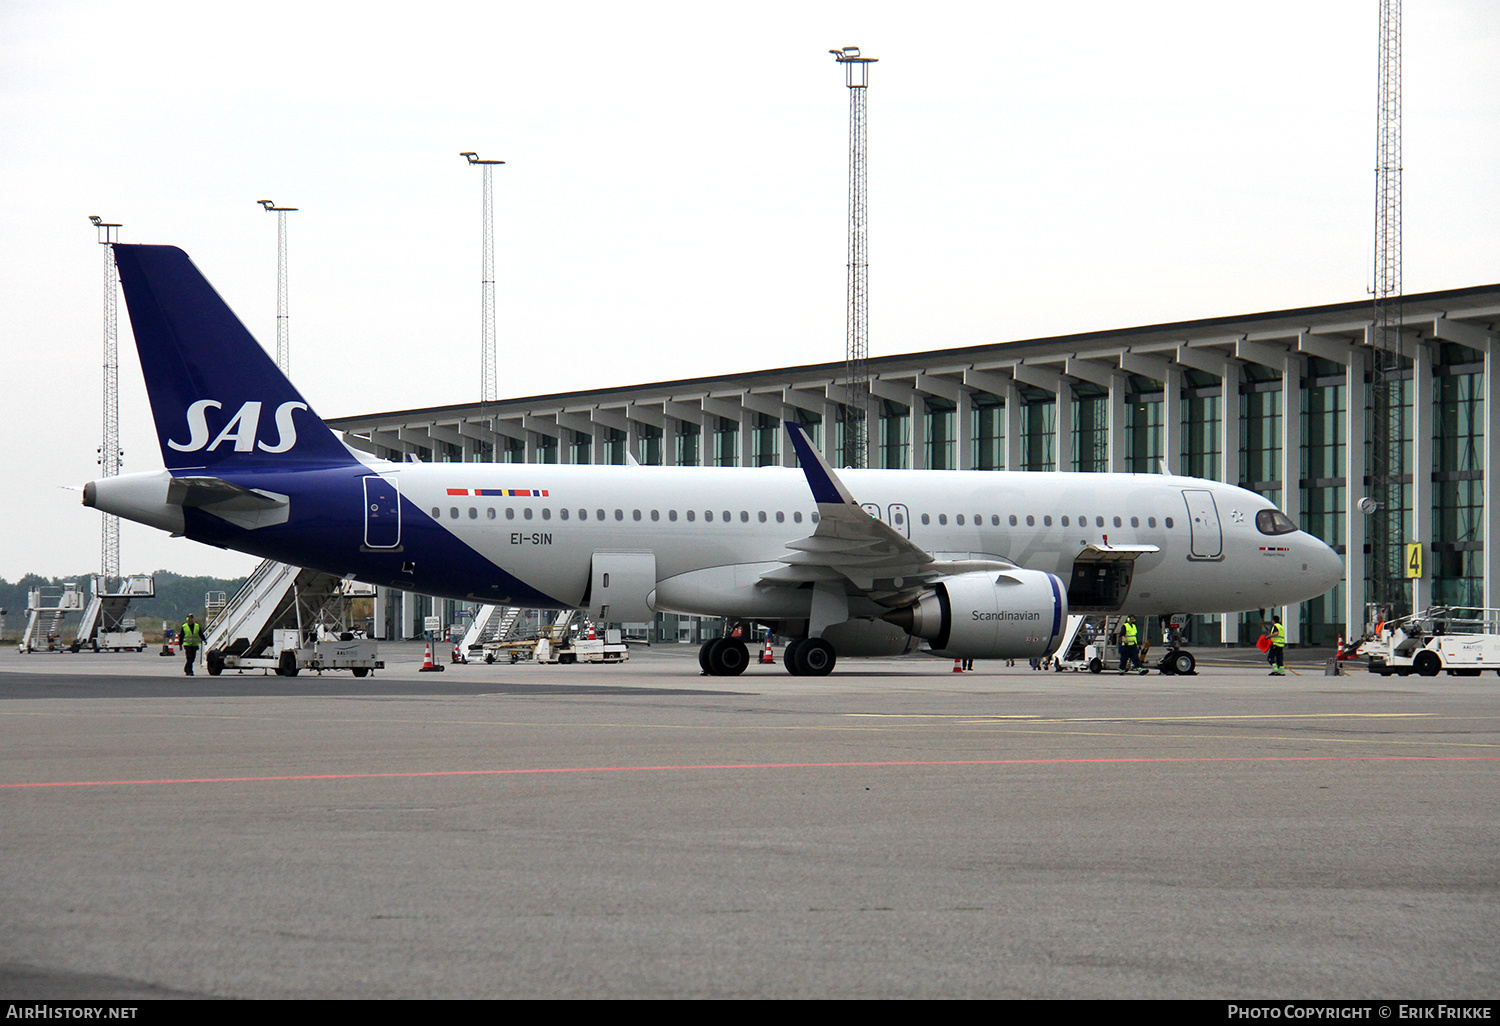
column 1461, row 641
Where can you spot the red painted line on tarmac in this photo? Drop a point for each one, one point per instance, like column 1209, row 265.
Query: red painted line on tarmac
column 756, row 766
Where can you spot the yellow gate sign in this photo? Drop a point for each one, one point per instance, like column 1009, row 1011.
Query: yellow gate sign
column 1414, row 560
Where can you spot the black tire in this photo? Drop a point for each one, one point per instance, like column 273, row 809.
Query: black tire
column 1166, row 666
column 286, row 665
column 359, row 671
column 728, row 658
column 703, row 651
column 817, row 658
column 1427, row 664
column 792, row 657
column 1096, row 665
column 1183, row 664
column 214, row 662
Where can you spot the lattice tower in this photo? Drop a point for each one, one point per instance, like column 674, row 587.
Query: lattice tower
column 857, row 320
column 109, row 447
column 489, row 378
column 1387, row 430
column 283, row 339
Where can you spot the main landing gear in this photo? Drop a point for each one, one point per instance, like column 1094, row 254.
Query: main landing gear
column 805, row 657
column 724, row 657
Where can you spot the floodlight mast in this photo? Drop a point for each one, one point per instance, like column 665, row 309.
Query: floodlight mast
column 1386, row 567
column 283, row 342
column 857, row 320
column 489, row 379
column 109, row 447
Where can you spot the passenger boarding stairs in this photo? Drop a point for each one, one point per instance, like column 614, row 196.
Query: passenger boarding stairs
column 281, row 596
column 1081, row 632
column 492, row 624
column 47, row 610
column 106, row 609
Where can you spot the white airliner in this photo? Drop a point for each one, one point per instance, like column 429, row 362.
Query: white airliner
column 978, row 564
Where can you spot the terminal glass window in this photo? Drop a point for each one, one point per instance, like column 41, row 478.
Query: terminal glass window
column 987, row 432
column 941, row 448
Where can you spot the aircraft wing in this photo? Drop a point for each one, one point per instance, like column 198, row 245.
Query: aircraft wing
column 851, row 546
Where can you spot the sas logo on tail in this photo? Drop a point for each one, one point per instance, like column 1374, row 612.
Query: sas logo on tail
column 241, row 430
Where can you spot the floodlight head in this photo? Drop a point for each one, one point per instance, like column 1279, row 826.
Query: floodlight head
column 268, row 204
column 471, row 156
column 95, row 220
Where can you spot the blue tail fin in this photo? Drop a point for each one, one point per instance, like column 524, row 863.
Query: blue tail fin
column 219, row 401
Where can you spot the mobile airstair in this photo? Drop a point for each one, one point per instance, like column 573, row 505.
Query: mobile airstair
column 493, row 625
column 1084, row 643
column 106, row 627
column 47, row 611
column 287, row 619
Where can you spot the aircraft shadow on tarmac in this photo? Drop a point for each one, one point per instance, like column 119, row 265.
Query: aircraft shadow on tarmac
column 39, row 685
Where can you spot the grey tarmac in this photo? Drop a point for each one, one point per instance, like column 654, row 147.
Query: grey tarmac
column 892, row 830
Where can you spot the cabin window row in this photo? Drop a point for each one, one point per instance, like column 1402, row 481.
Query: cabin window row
column 1031, row 521
column 779, row 516
column 691, row 516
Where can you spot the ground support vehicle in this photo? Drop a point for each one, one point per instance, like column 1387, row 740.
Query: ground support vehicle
column 289, row 654
column 1461, row 641
column 556, row 646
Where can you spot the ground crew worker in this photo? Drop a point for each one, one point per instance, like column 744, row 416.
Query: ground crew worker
column 191, row 634
column 1276, row 655
column 1130, row 647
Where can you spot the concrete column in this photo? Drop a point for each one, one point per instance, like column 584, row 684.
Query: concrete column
column 964, row 424
column 1064, row 427
column 708, row 424
column 747, row 439
column 1229, row 466
column 1115, row 420
column 1171, row 419
column 1012, row 426
column 1491, row 430
column 1291, row 470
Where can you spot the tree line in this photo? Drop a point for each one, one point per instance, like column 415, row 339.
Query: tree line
column 176, row 596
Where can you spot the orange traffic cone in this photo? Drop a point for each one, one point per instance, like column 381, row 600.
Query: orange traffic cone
column 958, row 666
column 428, row 666
column 591, row 632
column 767, row 656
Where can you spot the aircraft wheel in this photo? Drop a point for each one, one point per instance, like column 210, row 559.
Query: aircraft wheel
column 728, row 658
column 792, row 656
column 1183, row 663
column 703, row 651
column 287, row 664
column 1427, row 664
column 1096, row 665
column 214, row 662
column 816, row 657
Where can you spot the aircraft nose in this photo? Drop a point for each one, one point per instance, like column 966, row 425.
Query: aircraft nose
column 1324, row 566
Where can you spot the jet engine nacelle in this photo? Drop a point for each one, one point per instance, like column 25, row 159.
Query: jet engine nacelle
column 1004, row 614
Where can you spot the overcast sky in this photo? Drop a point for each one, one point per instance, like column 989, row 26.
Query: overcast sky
column 674, row 200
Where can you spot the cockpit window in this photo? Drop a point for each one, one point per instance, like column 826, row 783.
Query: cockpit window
column 1273, row 521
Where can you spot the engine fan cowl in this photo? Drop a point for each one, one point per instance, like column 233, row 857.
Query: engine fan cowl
column 1011, row 614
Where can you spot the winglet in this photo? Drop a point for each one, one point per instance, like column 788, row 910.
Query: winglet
column 825, row 484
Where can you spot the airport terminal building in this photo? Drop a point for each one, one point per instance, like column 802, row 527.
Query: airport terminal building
column 1277, row 402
